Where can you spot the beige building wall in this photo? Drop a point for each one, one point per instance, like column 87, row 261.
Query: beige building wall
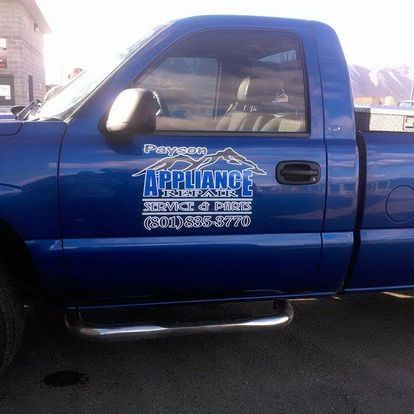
column 23, row 30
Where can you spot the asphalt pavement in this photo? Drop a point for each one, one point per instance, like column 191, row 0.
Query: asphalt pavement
column 348, row 354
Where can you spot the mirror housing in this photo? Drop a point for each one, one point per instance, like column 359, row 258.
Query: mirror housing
column 133, row 112
column 15, row 110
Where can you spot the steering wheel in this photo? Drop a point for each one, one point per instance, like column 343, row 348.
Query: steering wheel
column 163, row 108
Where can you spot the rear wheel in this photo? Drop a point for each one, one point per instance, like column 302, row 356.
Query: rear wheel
column 11, row 320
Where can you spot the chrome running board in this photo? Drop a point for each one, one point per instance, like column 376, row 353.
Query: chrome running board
column 121, row 332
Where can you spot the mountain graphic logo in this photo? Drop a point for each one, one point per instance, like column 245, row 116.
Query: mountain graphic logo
column 188, row 163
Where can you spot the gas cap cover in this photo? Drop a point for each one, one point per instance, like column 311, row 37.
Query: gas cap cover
column 400, row 204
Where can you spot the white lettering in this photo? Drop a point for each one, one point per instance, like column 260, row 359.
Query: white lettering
column 171, row 151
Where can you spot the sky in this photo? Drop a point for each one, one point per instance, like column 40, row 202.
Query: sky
column 373, row 33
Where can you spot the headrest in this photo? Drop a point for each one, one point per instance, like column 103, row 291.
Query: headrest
column 243, row 91
column 257, row 91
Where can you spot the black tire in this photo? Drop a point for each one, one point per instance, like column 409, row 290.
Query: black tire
column 11, row 320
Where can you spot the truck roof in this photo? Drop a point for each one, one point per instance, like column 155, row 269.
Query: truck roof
column 233, row 20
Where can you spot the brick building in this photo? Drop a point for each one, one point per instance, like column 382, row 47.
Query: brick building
column 22, row 73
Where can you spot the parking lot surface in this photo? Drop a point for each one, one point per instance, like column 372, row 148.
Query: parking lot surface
column 348, row 354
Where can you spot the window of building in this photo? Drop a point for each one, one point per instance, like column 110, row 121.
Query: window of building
column 231, row 81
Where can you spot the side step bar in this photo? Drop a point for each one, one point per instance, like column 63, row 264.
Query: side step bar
column 122, row 332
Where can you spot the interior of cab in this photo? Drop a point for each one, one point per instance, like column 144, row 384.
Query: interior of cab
column 230, row 81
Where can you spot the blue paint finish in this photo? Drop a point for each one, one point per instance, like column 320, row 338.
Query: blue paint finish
column 28, row 179
column 191, row 266
column 340, row 133
column 342, row 185
column 385, row 259
column 48, row 258
column 101, row 198
column 390, row 161
column 336, row 256
column 162, row 301
column 336, row 87
column 10, row 127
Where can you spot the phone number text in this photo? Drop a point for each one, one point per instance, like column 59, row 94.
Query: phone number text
column 190, row 222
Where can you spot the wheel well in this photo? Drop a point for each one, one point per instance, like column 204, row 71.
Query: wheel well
column 16, row 256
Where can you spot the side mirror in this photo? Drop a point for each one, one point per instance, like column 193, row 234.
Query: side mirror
column 133, row 112
column 15, row 110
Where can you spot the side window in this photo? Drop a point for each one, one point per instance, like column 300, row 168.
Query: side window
column 231, row 81
column 185, row 88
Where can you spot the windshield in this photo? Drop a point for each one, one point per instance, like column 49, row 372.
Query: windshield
column 69, row 97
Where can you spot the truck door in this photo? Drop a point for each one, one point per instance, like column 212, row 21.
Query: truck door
column 225, row 199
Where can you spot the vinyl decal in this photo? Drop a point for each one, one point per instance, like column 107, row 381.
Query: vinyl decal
column 192, row 188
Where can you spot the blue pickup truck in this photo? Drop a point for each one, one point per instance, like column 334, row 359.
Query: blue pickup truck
column 219, row 160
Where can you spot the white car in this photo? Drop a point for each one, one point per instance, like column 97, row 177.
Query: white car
column 406, row 104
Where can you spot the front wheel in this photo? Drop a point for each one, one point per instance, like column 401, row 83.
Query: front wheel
column 11, row 320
